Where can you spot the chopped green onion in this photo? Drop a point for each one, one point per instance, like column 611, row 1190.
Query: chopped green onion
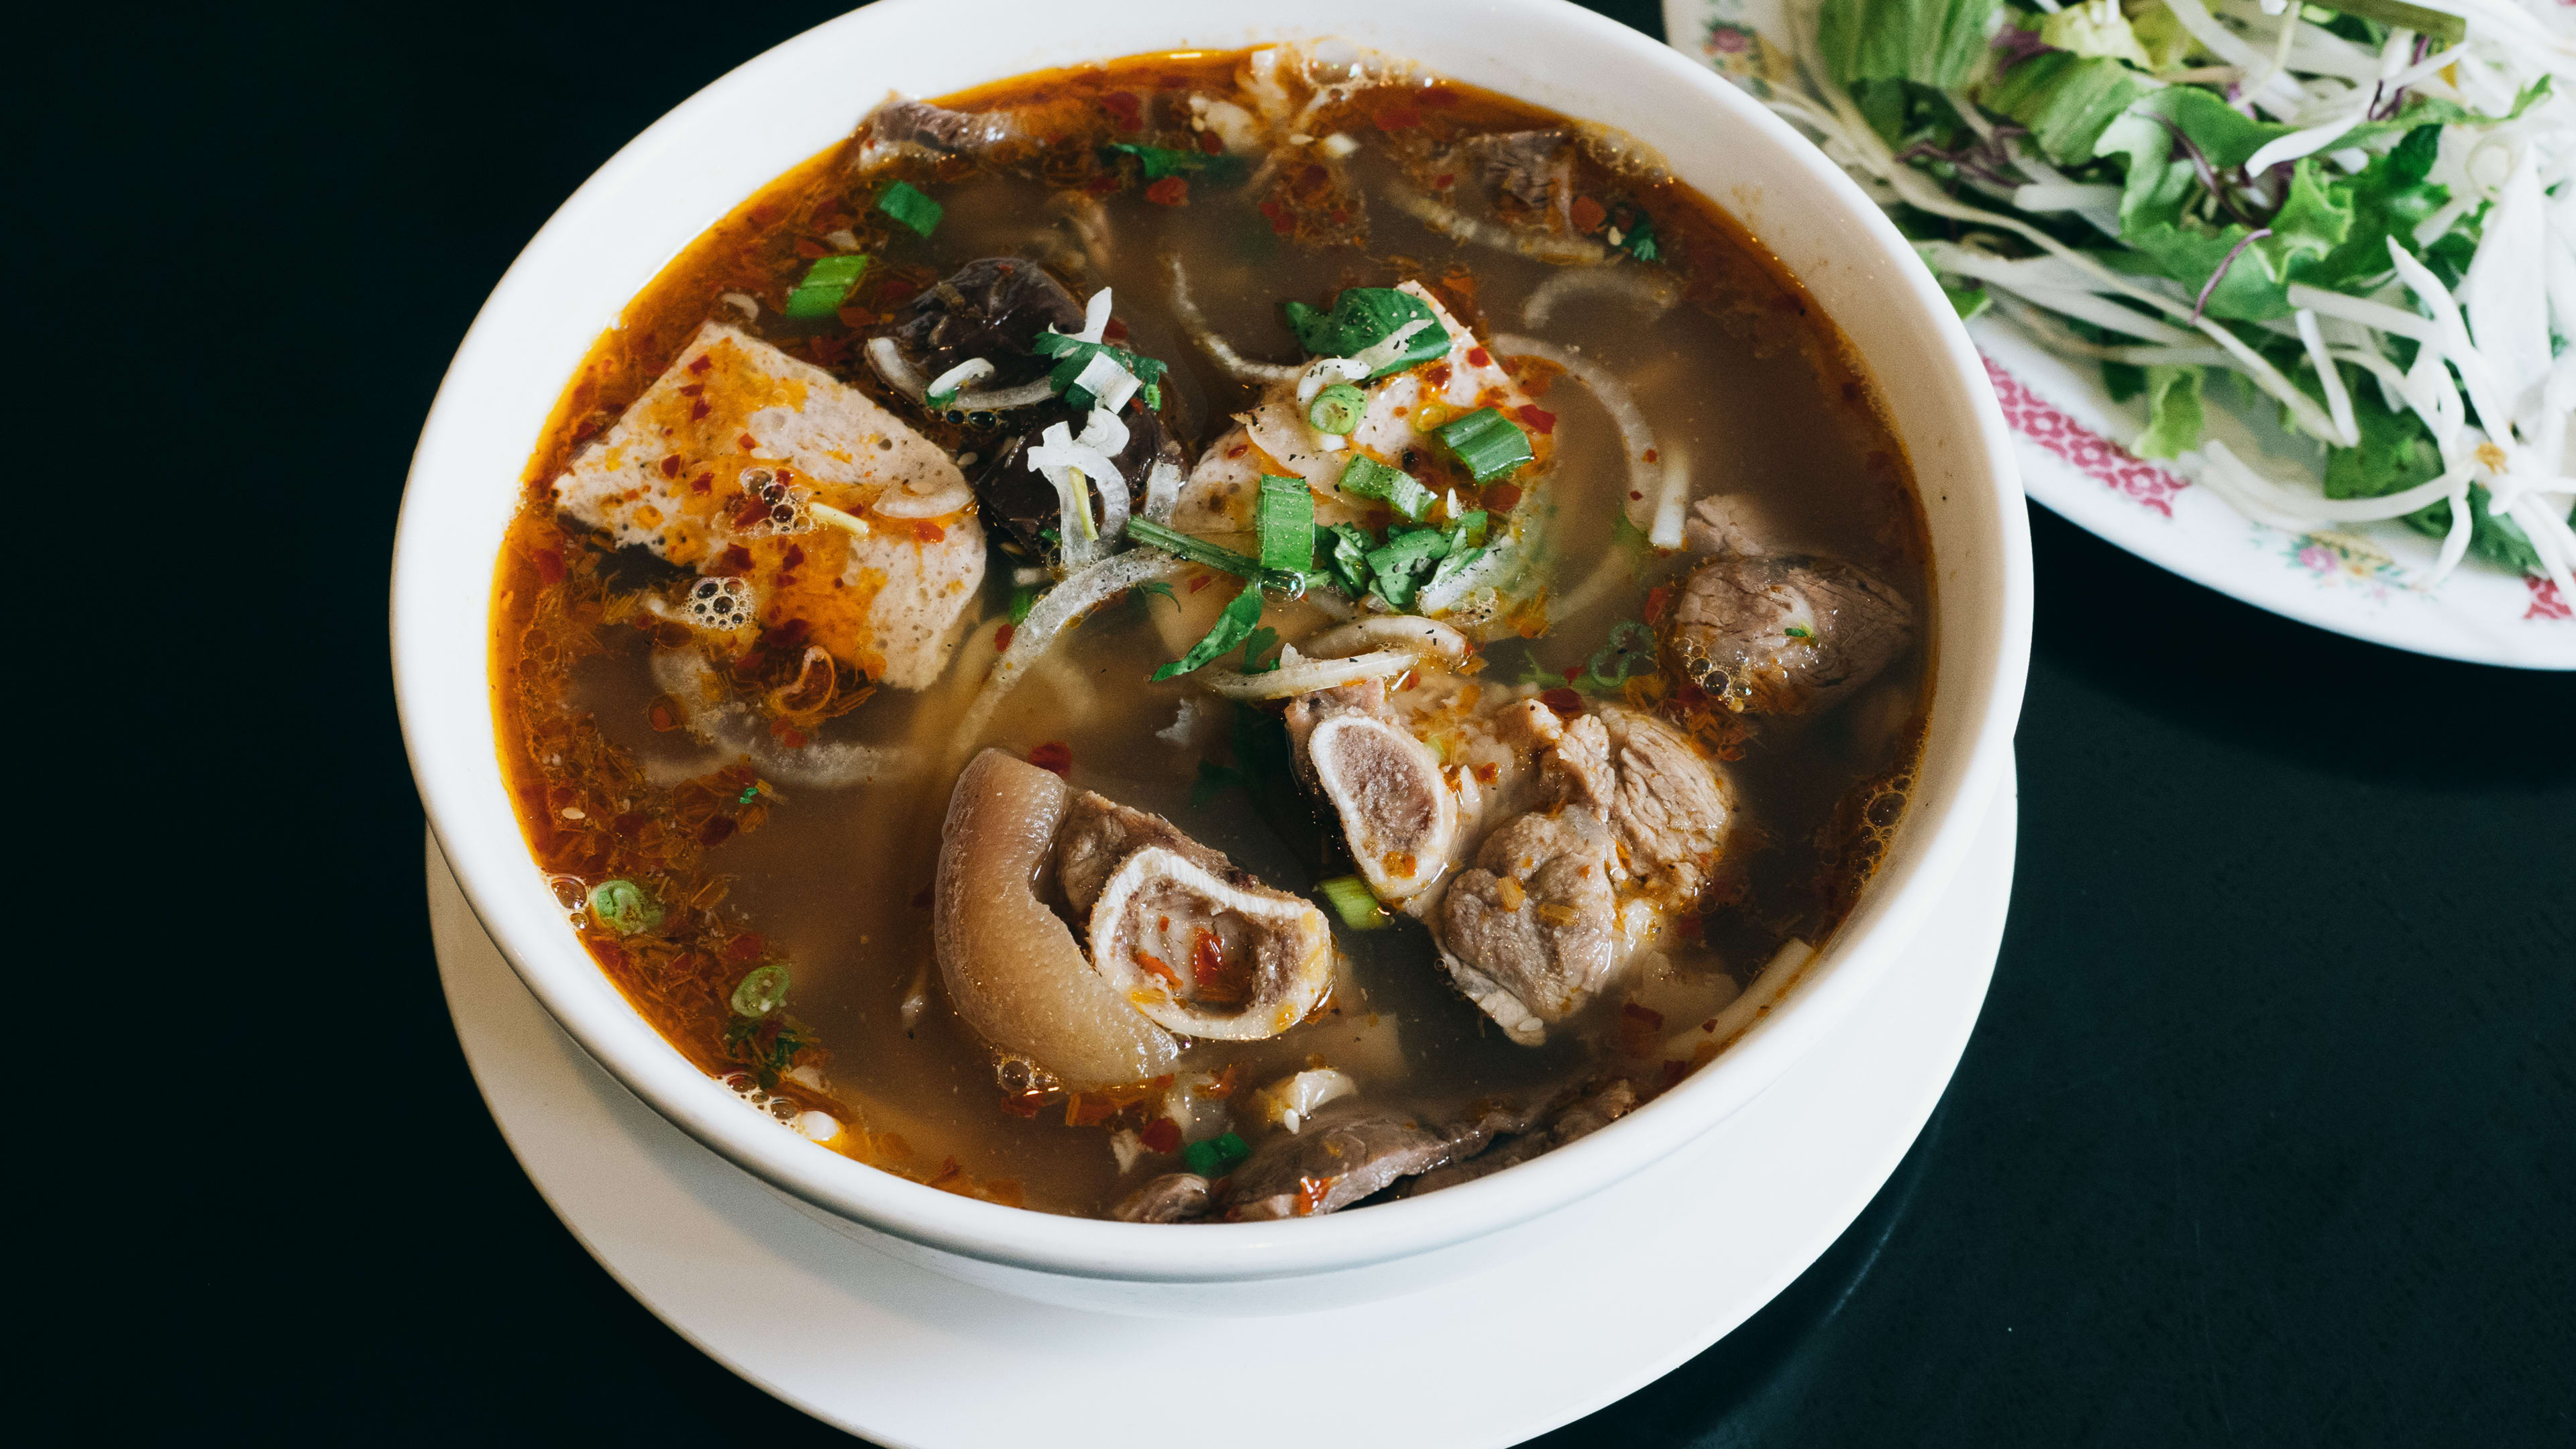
column 1285, row 523
column 1233, row 627
column 1337, row 410
column 1216, row 556
column 1158, row 162
column 826, row 283
column 761, row 992
column 1629, row 652
column 1490, row 444
column 1347, row 563
column 1216, row 1156
column 1401, row 564
column 905, row 203
column 1023, row 599
column 1467, row 530
column 1366, row 477
column 1077, row 355
column 1800, row 631
column 1452, row 566
column 622, row 906
column 1264, row 640
column 1361, row 318
column 1351, row 899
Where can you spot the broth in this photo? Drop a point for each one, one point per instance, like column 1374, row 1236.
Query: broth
column 757, row 831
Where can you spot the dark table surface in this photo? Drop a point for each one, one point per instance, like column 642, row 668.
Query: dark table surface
column 2265, row 1134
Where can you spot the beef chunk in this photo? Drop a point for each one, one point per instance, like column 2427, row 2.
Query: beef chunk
column 1670, row 807
column 921, row 126
column 1784, row 633
column 1345, row 1152
column 1532, row 172
column 1174, row 1197
column 992, row 308
column 1527, row 934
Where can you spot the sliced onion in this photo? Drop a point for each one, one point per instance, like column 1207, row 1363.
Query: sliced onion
column 1307, row 675
column 1007, row 398
column 730, row 726
column 1666, row 481
column 1162, row 490
column 973, row 369
column 890, row 364
column 1440, row 217
column 1056, row 609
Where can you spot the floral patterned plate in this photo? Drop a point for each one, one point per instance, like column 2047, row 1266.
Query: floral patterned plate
column 2370, row 582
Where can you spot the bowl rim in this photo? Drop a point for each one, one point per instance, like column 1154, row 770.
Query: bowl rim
column 1931, row 843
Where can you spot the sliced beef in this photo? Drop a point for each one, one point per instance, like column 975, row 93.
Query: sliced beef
column 1175, row 1197
column 921, row 126
column 1528, row 933
column 1785, row 633
column 1347, row 1151
column 1578, row 1115
column 1396, row 811
column 992, row 308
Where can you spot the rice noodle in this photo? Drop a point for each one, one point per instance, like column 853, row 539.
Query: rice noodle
column 1237, row 365
column 1442, row 218
column 1308, row 675
column 1007, row 398
column 1664, row 479
column 1054, row 611
column 1650, row 292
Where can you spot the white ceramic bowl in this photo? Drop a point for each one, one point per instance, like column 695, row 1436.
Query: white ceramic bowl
column 704, row 158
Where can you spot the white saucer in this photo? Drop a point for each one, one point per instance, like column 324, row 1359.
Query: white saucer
column 1617, row 1291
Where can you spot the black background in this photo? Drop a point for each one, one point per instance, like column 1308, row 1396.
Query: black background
column 2264, row 1135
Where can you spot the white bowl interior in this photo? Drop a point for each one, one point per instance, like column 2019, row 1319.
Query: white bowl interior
column 703, row 159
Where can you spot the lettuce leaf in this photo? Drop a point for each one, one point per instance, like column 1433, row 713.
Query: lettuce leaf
column 1938, row 43
column 2174, row 416
column 2066, row 100
column 2082, row 29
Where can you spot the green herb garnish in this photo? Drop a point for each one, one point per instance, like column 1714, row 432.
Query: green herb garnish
column 1337, row 410
column 827, row 283
column 1077, row 355
column 1023, row 599
column 1264, row 640
column 1351, row 899
column 1489, row 444
column 1285, row 524
column 1233, row 627
column 623, row 907
column 1366, row 477
column 1404, row 563
column 761, row 992
column 905, row 203
column 1363, row 317
column 1216, row 556
column 1216, row 1156
column 1158, row 162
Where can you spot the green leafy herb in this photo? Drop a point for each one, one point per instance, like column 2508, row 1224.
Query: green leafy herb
column 1023, row 599
column 623, row 907
column 1216, row 1156
column 761, row 992
column 1799, row 631
column 1489, row 444
column 2441, row 25
column 1233, row 627
column 1158, row 162
column 2174, row 416
column 1363, row 317
column 827, row 283
column 2066, row 100
column 1077, row 355
column 1346, row 562
column 1153, row 589
column 1284, row 521
column 1404, row 563
column 1354, row 902
column 1639, row 240
column 1366, row 477
column 1264, row 640
column 907, row 204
